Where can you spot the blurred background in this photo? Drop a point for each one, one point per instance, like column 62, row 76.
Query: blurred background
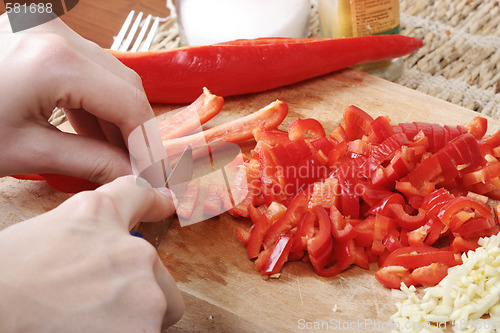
column 99, row 20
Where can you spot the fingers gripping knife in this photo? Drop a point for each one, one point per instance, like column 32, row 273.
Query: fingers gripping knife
column 159, row 174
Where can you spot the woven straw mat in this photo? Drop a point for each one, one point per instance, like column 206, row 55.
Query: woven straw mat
column 460, row 59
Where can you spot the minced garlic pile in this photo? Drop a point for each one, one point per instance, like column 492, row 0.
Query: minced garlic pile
column 466, row 300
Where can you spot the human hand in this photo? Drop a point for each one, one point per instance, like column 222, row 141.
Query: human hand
column 77, row 269
column 51, row 66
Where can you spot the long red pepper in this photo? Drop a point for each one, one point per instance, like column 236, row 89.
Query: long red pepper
column 248, row 66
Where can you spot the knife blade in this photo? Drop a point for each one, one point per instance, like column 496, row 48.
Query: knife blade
column 178, row 178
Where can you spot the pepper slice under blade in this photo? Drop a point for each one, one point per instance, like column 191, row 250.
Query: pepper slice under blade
column 179, row 177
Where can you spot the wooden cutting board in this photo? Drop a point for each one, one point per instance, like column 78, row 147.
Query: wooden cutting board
column 222, row 289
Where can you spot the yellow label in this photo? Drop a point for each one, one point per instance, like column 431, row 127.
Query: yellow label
column 371, row 17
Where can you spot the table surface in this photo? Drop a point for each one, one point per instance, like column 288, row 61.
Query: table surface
column 99, row 20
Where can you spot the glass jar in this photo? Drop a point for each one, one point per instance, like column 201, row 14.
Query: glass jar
column 203, row 22
column 348, row 18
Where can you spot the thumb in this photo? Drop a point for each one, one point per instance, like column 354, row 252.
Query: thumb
column 73, row 155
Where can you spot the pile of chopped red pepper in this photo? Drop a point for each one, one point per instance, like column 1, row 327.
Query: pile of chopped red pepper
column 411, row 197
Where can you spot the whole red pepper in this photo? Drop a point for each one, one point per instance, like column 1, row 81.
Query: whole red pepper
column 248, row 66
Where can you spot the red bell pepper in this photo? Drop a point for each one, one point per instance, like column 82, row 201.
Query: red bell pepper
column 405, row 220
column 348, row 253
column 382, row 128
column 233, row 131
column 477, row 127
column 271, row 260
column 460, row 203
column 298, row 128
column 342, row 230
column 429, row 275
column 384, row 150
column 305, row 231
column 62, row 183
column 270, row 136
column 295, row 210
column 242, row 67
column 356, row 123
column 320, row 247
column 393, row 276
column 189, row 201
column 190, row 119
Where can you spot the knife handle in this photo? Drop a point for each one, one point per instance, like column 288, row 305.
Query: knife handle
column 137, row 234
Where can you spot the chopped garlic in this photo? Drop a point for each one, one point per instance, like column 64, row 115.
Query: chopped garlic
column 467, row 299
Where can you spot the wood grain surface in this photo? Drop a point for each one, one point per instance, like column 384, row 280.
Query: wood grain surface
column 223, row 290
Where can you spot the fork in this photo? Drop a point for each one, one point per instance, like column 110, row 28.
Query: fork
column 122, row 44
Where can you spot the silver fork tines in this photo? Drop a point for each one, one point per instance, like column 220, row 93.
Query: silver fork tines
column 122, row 44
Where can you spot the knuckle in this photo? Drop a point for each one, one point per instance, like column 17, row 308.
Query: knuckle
column 146, row 252
column 134, row 78
column 54, row 50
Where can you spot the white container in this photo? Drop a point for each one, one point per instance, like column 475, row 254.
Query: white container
column 204, row 22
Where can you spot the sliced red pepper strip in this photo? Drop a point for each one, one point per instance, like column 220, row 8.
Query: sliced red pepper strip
column 178, row 75
column 481, row 175
column 418, row 256
column 409, row 129
column 350, row 197
column 433, row 202
column 429, row 275
column 372, row 194
column 356, row 123
column 270, row 136
column 405, row 220
column 477, row 127
column 426, row 171
column 321, row 241
column 391, row 258
column 298, row 128
column 305, row 231
column 391, row 241
column 212, row 203
column 381, row 228
column 386, row 148
column 192, row 117
column 243, row 235
column 382, row 128
column 189, row 201
column 342, row 230
column 270, row 182
column 415, row 260
column 348, row 253
column 295, row 210
column 271, row 261
column 461, row 245
column 364, row 232
column 460, row 203
column 434, row 228
column 393, row 276
column 257, row 236
column 324, row 144
column 383, row 206
column 233, row 131
column 474, row 226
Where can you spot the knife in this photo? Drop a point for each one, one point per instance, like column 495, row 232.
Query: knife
column 179, row 177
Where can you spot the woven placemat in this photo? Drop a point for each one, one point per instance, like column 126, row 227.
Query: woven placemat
column 460, row 59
